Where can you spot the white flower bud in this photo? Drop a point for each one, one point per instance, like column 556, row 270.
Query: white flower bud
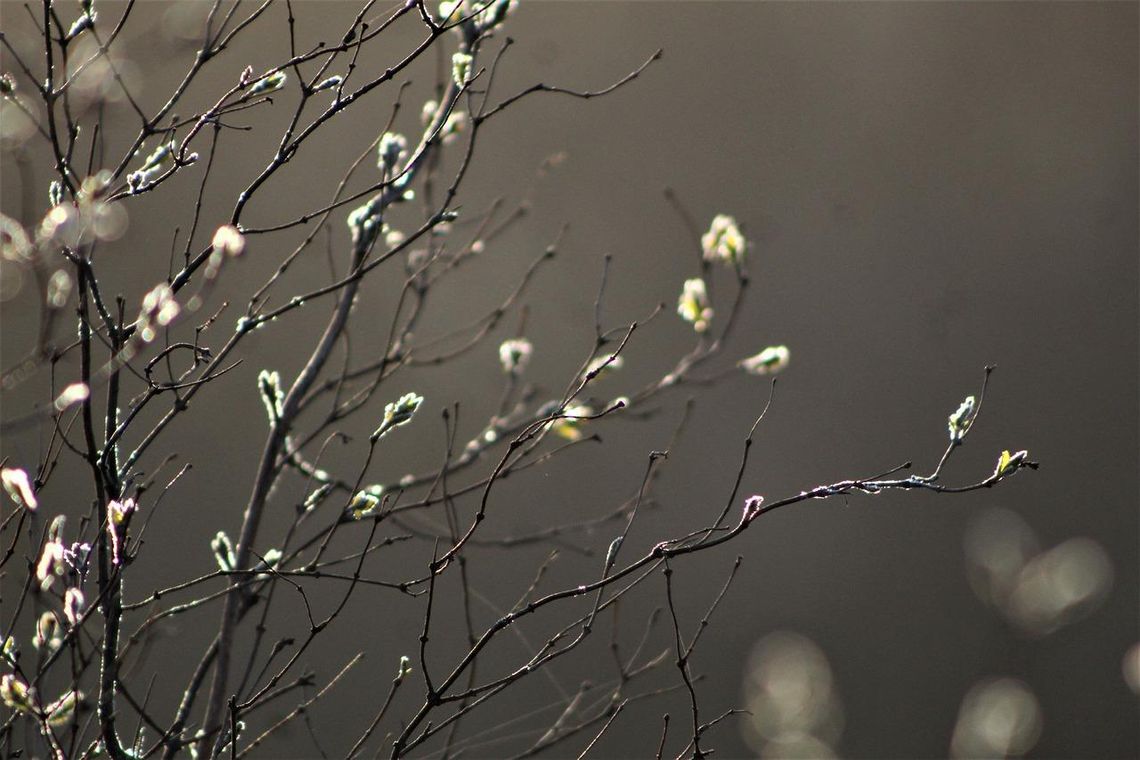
column 693, row 305
column 399, row 412
column 16, row 694
column 515, row 354
column 333, row 81
column 771, row 360
column 461, row 67
column 961, row 420
column 391, row 150
column 223, row 552
column 49, row 633
column 405, row 668
column 19, row 488
column 118, row 515
column 723, row 241
column 269, row 386
column 364, row 504
column 271, row 83
column 61, row 710
column 73, row 602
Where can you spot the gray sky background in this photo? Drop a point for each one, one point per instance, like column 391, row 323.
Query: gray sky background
column 927, row 187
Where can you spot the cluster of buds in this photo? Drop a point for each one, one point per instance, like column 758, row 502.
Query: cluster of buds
column 391, row 150
column 156, row 163
column 693, row 305
column 461, row 64
column 514, row 355
column 723, row 241
column 17, row 695
column 365, row 222
column 21, row 698
column 397, row 413
column 70, row 225
column 365, row 503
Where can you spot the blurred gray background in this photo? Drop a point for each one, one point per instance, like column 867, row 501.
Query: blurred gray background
column 928, row 188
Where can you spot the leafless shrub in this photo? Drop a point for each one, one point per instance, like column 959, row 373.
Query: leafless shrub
column 121, row 387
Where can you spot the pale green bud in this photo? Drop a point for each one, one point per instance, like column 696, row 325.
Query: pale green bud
column 461, row 67
column 60, row 711
column 364, row 504
column 269, row 386
column 961, row 420
column 1008, row 462
column 16, row 695
column 391, row 151
column 771, row 360
column 223, row 552
column 271, row 83
column 398, row 413
column 316, row 497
